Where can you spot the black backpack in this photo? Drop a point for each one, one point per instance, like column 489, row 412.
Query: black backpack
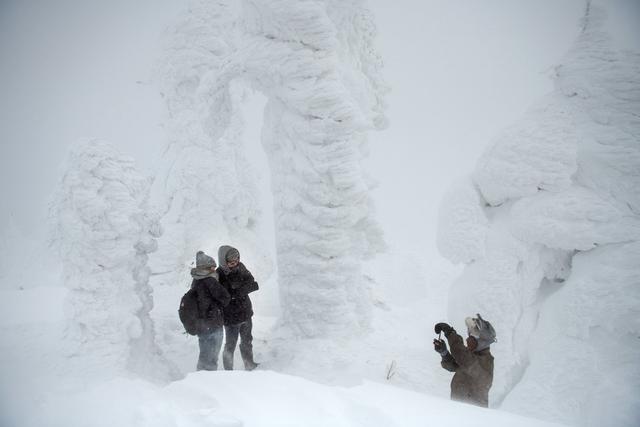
column 188, row 312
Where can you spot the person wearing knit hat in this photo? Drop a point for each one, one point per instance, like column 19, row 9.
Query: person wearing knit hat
column 212, row 298
column 481, row 331
column 472, row 364
column 239, row 282
column 204, row 261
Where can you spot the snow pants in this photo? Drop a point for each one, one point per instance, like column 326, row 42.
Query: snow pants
column 246, row 347
column 210, row 343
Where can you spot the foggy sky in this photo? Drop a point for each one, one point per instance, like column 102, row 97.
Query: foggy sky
column 459, row 72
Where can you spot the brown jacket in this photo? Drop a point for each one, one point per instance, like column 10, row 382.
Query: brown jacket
column 473, row 372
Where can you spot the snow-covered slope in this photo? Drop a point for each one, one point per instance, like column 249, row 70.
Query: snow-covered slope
column 553, row 206
column 235, row 399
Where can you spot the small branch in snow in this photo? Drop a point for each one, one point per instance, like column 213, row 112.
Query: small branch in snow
column 159, row 273
column 391, row 369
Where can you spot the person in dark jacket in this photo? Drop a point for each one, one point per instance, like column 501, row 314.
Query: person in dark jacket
column 473, row 364
column 239, row 282
column 212, row 298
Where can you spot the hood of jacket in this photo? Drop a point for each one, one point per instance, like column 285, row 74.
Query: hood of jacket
column 199, row 273
column 222, row 256
column 482, row 330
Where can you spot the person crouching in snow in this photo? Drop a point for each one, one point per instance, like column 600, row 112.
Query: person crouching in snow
column 211, row 297
column 473, row 364
column 239, row 282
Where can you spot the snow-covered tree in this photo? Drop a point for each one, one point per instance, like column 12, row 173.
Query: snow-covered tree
column 554, row 262
column 315, row 63
column 103, row 232
column 204, row 185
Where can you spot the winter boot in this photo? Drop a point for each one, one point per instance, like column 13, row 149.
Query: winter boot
column 250, row 365
column 227, row 360
column 247, row 358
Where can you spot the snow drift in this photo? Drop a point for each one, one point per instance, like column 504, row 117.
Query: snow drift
column 234, row 399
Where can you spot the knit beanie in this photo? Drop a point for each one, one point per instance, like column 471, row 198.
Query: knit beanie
column 481, row 330
column 204, row 261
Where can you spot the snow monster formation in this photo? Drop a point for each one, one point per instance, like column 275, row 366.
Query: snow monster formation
column 315, row 63
column 104, row 233
column 549, row 227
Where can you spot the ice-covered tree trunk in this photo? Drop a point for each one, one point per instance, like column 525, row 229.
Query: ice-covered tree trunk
column 554, row 206
column 204, row 183
column 315, row 63
column 103, row 232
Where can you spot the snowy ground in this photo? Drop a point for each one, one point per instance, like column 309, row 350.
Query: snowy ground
column 33, row 395
column 235, row 399
column 362, row 382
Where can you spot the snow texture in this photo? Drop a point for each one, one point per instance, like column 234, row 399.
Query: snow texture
column 259, row 399
column 103, row 231
column 463, row 224
column 315, row 63
column 561, row 193
column 203, row 184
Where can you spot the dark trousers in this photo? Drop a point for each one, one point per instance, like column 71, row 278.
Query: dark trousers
column 246, row 347
column 210, row 343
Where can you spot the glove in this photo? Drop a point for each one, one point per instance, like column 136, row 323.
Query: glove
column 440, row 347
column 443, row 327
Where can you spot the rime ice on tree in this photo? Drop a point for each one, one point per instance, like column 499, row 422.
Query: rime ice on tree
column 554, row 264
column 104, row 233
column 315, row 63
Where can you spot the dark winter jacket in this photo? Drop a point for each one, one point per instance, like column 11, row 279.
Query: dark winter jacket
column 239, row 282
column 473, row 372
column 212, row 297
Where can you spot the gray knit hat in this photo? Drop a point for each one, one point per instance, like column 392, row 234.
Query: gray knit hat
column 204, row 261
column 481, row 330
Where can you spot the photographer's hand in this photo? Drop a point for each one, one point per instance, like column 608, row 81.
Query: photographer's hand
column 440, row 347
